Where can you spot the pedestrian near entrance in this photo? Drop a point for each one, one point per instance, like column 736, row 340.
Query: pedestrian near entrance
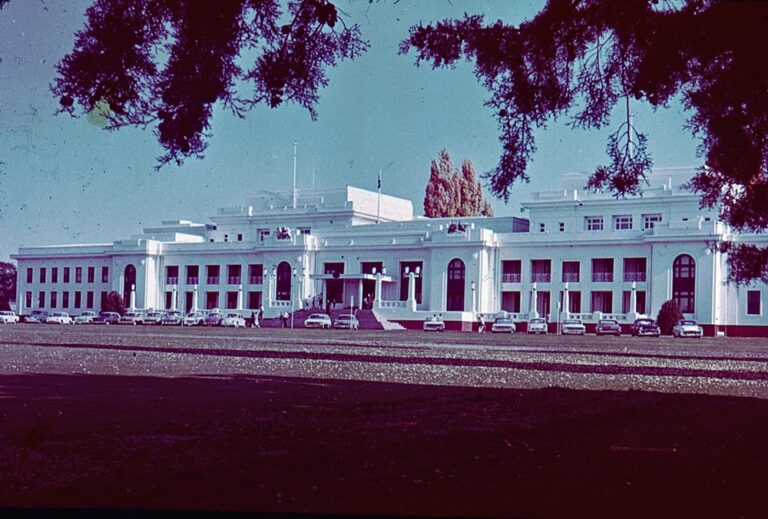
column 253, row 320
column 261, row 315
column 481, row 324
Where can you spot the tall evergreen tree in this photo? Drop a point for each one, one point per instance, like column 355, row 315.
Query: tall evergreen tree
column 452, row 192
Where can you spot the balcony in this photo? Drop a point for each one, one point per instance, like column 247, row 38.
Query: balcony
column 602, row 277
column 256, row 280
column 634, row 276
column 192, row 280
column 570, row 277
column 172, row 281
column 511, row 277
column 541, row 277
column 233, row 280
column 213, row 280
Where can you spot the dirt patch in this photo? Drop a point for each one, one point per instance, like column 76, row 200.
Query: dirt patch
column 318, row 446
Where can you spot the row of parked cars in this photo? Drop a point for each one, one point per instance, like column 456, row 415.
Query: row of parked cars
column 538, row 325
column 170, row 317
column 343, row 321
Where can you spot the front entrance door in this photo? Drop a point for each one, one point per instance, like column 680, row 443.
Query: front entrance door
column 334, row 288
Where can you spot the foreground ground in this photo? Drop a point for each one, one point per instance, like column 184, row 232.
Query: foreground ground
column 308, row 421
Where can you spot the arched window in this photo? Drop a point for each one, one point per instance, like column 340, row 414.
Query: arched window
column 283, row 288
column 455, row 301
column 129, row 279
column 684, row 283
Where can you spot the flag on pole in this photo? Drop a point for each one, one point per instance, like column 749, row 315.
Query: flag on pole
column 379, row 186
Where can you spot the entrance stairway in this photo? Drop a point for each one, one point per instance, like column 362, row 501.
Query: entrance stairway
column 367, row 319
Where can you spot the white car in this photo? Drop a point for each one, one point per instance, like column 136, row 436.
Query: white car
column 153, row 318
column 318, row 321
column 573, row 327
column 59, row 318
column 687, row 328
column 8, row 317
column 133, row 318
column 37, row 317
column 503, row 325
column 194, row 319
column 86, row 317
column 234, row 320
column 434, row 324
column 347, row 321
column 537, row 325
column 172, row 318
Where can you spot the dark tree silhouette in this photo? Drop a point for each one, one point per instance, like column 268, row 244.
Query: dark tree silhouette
column 166, row 62
column 7, row 284
column 581, row 57
column 114, row 303
column 668, row 316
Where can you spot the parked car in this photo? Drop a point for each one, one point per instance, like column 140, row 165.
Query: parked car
column 433, row 323
column 59, row 318
column 86, row 317
column 133, row 318
column 573, row 327
column 213, row 318
column 347, row 321
column 37, row 317
column 194, row 319
column 687, row 328
column 608, row 327
column 8, row 317
column 153, row 318
column 503, row 325
column 172, row 318
column 107, row 318
column 645, row 326
column 234, row 320
column 318, row 321
column 538, row 325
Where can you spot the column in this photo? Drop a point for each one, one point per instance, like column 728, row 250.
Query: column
column 532, row 311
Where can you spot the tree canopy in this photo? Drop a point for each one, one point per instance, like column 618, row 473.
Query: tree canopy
column 581, row 57
column 7, row 284
column 166, row 62
column 452, row 192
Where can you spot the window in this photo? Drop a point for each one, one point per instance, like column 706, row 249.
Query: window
column 254, row 300
column 226, row 237
column 193, row 273
column 78, row 299
column 542, row 303
column 239, row 237
column 562, row 226
column 91, row 274
column 211, row 300
column 105, row 274
column 542, row 227
column 593, row 223
column 89, row 299
column 255, row 274
column 626, row 299
column 571, row 271
column 602, row 301
column 510, row 301
column 263, row 234
column 54, row 300
column 304, row 230
column 650, row 220
column 103, row 300
column 510, row 271
column 574, row 301
column 232, row 300
column 54, row 275
column 634, row 269
column 28, row 300
column 172, row 275
column 405, row 268
column 233, row 274
column 622, row 222
column 66, row 274
column 684, row 283
column 602, row 270
column 541, row 271
column 29, row 275
column 212, row 274
column 78, row 274
column 42, row 275
column 753, row 302
column 41, row 299
column 65, row 299
column 455, row 288
column 284, row 291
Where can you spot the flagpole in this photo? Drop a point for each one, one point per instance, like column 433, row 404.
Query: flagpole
column 378, row 206
column 294, row 175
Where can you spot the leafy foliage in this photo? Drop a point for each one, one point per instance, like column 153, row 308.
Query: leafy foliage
column 668, row 316
column 452, row 192
column 166, row 62
column 746, row 262
column 7, row 284
column 580, row 57
column 114, row 303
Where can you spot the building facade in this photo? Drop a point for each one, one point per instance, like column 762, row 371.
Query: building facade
column 576, row 254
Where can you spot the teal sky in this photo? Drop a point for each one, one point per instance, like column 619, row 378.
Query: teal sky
column 64, row 180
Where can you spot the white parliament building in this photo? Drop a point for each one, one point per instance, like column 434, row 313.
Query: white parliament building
column 576, row 254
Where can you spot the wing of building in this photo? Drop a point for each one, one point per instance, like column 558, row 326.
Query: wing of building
column 577, row 254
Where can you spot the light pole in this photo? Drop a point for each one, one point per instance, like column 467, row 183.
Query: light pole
column 295, row 272
column 472, row 287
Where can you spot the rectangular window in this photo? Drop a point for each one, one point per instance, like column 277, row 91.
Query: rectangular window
column 65, row 299
column 168, row 299
column 571, row 271
column 541, row 271
column 193, row 274
column 66, row 274
column 28, row 300
column 542, row 227
column 105, row 274
column 226, row 237
column 91, row 274
column 510, row 301
column 29, row 275
column 103, row 299
column 753, row 302
column 593, row 223
column 602, row 301
column 42, row 275
column 254, row 300
column 212, row 274
column 233, row 274
column 626, row 300
column 41, row 299
column 172, row 275
column 231, row 300
column 78, row 274
column 239, row 237
column 511, row 271
column 189, row 298
column 622, row 222
column 211, row 300
column 54, row 275
column 305, row 230
column 602, row 270
column 634, row 269
column 650, row 220
column 54, row 300
column 78, row 299
column 543, row 304
column 255, row 274
column 263, row 234
column 562, row 226
column 574, row 301
column 406, row 267
column 89, row 299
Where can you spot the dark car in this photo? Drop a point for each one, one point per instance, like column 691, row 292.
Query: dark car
column 645, row 327
column 608, row 327
column 106, row 318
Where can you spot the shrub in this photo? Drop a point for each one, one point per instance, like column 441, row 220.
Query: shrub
column 668, row 316
column 114, row 303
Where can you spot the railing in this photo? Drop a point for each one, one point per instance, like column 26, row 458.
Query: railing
column 233, row 280
column 280, row 304
column 570, row 277
column 213, row 280
column 634, row 276
column 543, row 277
column 255, row 280
column 393, row 304
column 192, row 280
column 171, row 281
column 513, row 277
column 602, row 277
column 618, row 317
